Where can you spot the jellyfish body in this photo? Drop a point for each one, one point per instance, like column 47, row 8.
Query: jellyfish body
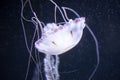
column 57, row 39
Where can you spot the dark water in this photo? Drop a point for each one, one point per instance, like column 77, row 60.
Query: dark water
column 103, row 17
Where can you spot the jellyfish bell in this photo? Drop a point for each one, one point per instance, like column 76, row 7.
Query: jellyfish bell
column 57, row 39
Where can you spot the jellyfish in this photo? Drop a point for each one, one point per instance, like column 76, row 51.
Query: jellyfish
column 56, row 39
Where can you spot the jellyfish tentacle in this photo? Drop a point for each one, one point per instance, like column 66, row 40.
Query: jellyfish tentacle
column 55, row 14
column 37, row 23
column 97, row 52
column 59, row 10
column 64, row 10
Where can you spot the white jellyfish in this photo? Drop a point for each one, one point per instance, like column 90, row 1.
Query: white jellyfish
column 56, row 38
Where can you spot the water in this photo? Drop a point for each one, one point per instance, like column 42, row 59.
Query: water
column 101, row 16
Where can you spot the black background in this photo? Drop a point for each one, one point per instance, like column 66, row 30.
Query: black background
column 103, row 17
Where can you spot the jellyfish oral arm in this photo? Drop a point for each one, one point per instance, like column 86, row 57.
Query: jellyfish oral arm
column 51, row 67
